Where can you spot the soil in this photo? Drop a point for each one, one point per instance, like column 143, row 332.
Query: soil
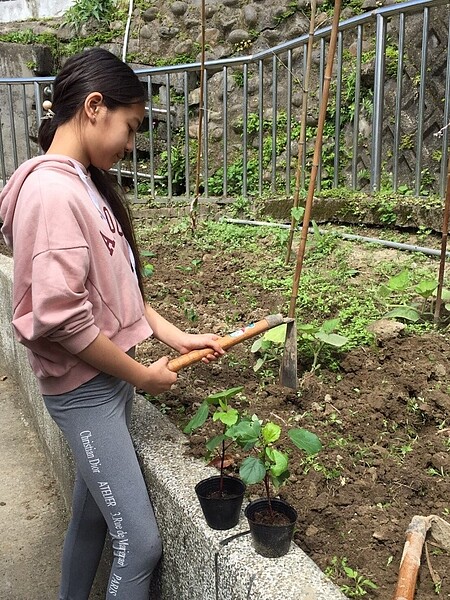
column 382, row 417
column 265, row 517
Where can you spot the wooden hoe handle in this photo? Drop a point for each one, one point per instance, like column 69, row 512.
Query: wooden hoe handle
column 410, row 563
column 227, row 341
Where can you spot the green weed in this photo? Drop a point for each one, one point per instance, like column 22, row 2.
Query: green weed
column 358, row 584
column 81, row 11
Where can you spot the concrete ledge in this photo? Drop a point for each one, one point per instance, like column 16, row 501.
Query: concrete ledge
column 198, row 562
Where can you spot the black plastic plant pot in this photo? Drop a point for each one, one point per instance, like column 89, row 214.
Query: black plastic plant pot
column 221, row 510
column 271, row 540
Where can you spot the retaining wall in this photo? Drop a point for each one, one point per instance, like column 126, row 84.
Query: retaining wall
column 21, row 10
column 198, row 563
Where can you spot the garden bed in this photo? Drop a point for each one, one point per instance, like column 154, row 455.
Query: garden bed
column 381, row 408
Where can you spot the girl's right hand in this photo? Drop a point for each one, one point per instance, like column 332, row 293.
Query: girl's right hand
column 159, row 378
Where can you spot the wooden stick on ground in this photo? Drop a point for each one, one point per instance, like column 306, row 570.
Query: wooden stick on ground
column 410, row 562
column 412, row 552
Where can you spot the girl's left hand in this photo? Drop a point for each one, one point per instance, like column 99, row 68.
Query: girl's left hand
column 193, row 341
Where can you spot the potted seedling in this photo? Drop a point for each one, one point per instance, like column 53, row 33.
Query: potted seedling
column 220, row 496
column 271, row 519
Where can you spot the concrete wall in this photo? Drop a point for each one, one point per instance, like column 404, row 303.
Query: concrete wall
column 198, row 562
column 21, row 10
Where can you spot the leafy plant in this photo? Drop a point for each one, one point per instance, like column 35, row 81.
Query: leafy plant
column 384, row 206
column 269, row 346
column 84, row 10
column 241, row 206
column 270, row 465
column 178, row 168
column 148, row 268
column 238, row 77
column 195, row 264
column 179, row 59
column 290, row 10
column 297, row 213
column 227, row 416
column 316, row 337
column 359, row 584
column 191, row 314
column 235, row 178
column 402, row 287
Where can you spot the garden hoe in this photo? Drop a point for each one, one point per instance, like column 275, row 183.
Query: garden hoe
column 416, row 537
column 288, row 369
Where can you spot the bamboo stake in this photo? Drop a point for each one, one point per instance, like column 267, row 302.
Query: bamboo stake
column 302, row 139
column 316, row 158
column 193, row 211
column 437, row 308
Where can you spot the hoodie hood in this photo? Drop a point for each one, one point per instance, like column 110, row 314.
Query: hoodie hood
column 10, row 193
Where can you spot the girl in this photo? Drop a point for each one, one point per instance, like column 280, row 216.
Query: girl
column 79, row 310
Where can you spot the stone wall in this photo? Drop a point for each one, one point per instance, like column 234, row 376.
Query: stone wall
column 167, row 33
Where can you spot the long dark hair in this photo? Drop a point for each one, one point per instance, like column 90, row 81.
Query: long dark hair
column 97, row 70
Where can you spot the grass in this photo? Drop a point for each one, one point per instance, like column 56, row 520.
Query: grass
column 340, row 279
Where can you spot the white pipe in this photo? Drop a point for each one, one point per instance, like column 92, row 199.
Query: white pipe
column 127, row 31
column 347, row 236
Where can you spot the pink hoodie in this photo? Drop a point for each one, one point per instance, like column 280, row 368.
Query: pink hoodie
column 72, row 271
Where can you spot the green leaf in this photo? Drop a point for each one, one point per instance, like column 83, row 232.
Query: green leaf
column 279, row 459
column 316, row 230
column 349, row 572
column 297, row 212
column 426, row 288
column 246, row 433
column 256, row 345
column 305, row 440
column 199, row 418
column 399, row 282
column 330, row 325
column 228, row 418
column 271, row 432
column 214, row 442
column 332, row 339
column 403, row 312
column 384, row 291
column 148, row 253
column 266, row 345
column 252, row 470
column 225, row 394
column 259, row 363
column 148, row 270
column 308, row 328
column 277, row 482
column 445, row 294
column 277, row 334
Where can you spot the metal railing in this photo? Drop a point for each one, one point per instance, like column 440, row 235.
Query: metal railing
column 388, row 101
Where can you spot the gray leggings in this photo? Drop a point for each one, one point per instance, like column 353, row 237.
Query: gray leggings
column 109, row 493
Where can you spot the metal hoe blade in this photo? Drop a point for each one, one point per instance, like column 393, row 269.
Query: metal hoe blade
column 288, row 368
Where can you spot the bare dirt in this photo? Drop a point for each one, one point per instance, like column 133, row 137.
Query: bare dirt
column 382, row 418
